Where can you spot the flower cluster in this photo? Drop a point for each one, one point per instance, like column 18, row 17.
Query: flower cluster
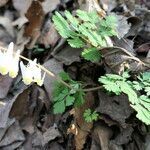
column 31, row 73
column 9, row 64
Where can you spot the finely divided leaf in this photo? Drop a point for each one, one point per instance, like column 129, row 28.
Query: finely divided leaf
column 142, row 113
column 76, row 42
column 69, row 100
column 74, row 21
column 59, row 107
column 61, row 25
column 91, row 54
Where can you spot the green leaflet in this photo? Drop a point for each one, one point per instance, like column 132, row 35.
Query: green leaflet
column 74, row 21
column 69, row 100
column 61, row 25
column 59, row 107
column 86, row 30
column 64, row 97
column 76, row 42
column 142, row 113
column 91, row 54
column 120, row 84
column 90, row 116
column 79, row 98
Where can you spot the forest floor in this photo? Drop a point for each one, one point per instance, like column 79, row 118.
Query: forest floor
column 27, row 120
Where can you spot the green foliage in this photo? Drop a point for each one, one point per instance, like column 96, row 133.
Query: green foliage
column 113, row 83
column 38, row 50
column 76, row 42
column 86, row 30
column 134, row 90
column 90, row 116
column 91, row 54
column 64, row 96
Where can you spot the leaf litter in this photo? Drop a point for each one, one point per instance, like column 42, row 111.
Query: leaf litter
column 26, row 117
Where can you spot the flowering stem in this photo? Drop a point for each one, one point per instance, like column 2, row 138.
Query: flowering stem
column 59, row 79
column 48, row 72
column 51, row 74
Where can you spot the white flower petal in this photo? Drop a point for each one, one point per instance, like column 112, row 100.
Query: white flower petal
column 14, row 68
column 40, row 82
column 10, row 48
column 26, row 74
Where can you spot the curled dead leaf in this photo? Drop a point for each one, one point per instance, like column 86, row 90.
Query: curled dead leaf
column 119, row 59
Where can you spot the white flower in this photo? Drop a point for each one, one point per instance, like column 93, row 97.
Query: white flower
column 3, row 63
column 26, row 74
column 14, row 68
column 37, row 76
column 7, row 60
column 32, row 73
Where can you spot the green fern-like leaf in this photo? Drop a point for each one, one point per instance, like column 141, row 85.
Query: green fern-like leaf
column 142, row 113
column 64, row 96
column 147, row 90
column 120, row 84
column 90, row 116
column 79, row 98
column 74, row 21
column 59, row 107
column 91, row 54
column 86, row 29
column 110, row 85
column 129, row 91
column 61, row 25
column 88, row 34
column 76, row 42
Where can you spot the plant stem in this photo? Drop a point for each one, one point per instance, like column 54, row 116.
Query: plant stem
column 51, row 74
column 93, row 89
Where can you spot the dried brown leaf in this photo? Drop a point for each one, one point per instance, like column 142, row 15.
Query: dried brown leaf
column 49, row 35
column 20, row 21
column 5, row 84
column 3, row 2
column 5, row 109
column 116, row 107
column 68, row 55
column 35, row 15
column 50, row 134
column 20, row 106
column 102, row 135
column 13, row 137
column 83, row 128
column 118, row 59
column 7, row 24
column 56, row 67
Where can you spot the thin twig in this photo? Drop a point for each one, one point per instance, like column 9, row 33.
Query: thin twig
column 51, row 74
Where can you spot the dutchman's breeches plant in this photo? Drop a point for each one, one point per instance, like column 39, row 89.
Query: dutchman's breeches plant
column 9, row 64
column 87, row 31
